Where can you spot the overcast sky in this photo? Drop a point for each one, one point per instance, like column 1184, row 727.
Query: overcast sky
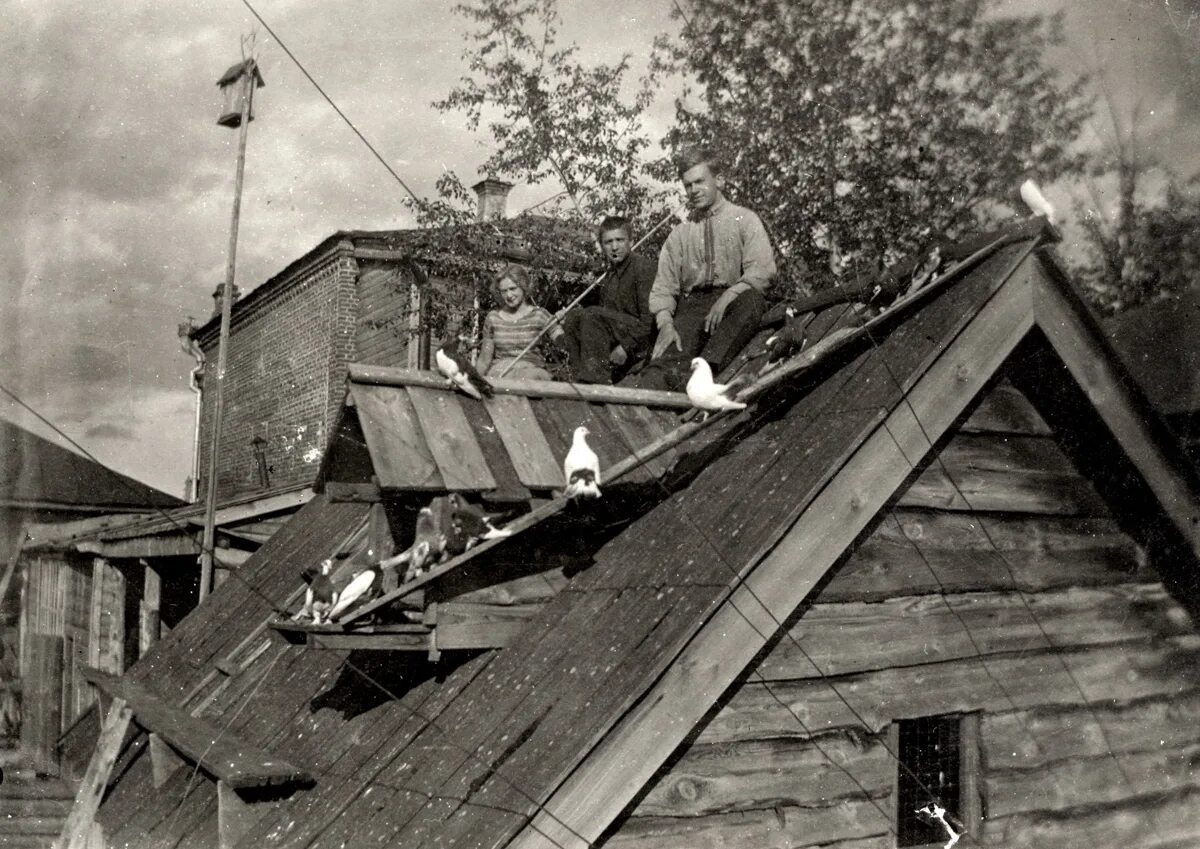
column 117, row 183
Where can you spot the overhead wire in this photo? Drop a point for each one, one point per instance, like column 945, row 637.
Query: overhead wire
column 277, row 610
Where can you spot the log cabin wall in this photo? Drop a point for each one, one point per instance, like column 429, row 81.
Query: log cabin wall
column 973, row 606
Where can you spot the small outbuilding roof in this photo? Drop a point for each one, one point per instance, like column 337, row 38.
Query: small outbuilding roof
column 544, row 743
column 36, row 473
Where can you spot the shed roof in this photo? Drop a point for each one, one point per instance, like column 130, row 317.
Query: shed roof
column 1160, row 342
column 544, row 743
column 424, row 435
column 37, row 473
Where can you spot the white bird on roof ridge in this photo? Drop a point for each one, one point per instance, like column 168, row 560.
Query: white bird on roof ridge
column 705, row 394
column 581, row 468
column 460, row 371
column 1036, row 201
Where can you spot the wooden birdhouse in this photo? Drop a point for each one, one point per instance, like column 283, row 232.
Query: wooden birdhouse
column 235, row 87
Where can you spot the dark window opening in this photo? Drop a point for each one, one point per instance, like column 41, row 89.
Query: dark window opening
column 930, row 771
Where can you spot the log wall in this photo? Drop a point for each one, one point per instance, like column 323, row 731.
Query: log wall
column 998, row 584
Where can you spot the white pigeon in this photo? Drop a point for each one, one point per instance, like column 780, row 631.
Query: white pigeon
column 355, row 590
column 581, row 468
column 1036, row 201
column 706, row 395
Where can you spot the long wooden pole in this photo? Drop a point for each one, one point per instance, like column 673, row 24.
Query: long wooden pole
column 557, row 318
column 210, row 504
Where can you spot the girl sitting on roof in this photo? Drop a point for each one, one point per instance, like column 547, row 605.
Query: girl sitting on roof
column 508, row 330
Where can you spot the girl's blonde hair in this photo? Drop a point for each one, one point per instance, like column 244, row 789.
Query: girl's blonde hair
column 518, row 274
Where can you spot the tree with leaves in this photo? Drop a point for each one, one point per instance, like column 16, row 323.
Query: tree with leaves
column 553, row 118
column 861, row 129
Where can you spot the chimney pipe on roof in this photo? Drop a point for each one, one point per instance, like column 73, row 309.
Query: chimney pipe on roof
column 493, row 198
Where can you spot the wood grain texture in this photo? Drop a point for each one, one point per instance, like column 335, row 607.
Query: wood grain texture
column 1027, row 679
column 216, row 750
column 769, row 773
column 536, row 464
column 1078, row 341
column 78, row 825
column 839, row 639
column 451, row 441
column 400, row 454
column 1004, row 409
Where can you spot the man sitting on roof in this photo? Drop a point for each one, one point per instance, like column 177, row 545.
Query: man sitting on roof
column 616, row 331
column 707, row 298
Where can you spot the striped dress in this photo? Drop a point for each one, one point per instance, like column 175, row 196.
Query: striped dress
column 510, row 335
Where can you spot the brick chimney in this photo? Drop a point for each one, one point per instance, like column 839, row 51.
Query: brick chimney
column 218, row 296
column 493, row 198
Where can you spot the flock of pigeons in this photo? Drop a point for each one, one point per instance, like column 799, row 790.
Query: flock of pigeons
column 450, row 525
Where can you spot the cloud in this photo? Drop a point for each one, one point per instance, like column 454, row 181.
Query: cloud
column 110, row 431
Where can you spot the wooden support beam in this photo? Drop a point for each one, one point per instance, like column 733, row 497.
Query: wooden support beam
column 217, row 751
column 163, row 759
column 598, row 789
column 77, row 829
column 235, row 815
column 391, row 376
column 365, row 493
column 151, row 608
column 1075, row 339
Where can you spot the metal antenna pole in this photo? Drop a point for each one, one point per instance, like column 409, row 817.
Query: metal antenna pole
column 210, row 505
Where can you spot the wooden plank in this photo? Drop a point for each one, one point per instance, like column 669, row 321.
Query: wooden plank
column 593, row 795
column 352, row 641
column 451, row 440
column 1101, row 780
column 1005, row 409
column 1017, row 474
column 163, row 759
column 362, row 493
column 1170, row 821
column 1030, row 739
column 641, row 427
column 235, row 815
column 776, row 772
column 41, row 696
column 917, row 552
column 200, row 741
column 150, row 608
column 400, row 455
column 468, row 626
column 368, row 375
column 788, row 826
column 509, row 486
column 1124, row 672
column 77, row 828
column 855, row 637
column 536, row 465
column 1076, row 340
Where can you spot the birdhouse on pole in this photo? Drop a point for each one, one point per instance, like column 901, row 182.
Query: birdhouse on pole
column 235, row 88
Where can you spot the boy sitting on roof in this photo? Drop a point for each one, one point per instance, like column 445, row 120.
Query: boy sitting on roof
column 617, row 330
column 707, row 297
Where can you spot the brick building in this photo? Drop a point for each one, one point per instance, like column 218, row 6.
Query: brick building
column 356, row 297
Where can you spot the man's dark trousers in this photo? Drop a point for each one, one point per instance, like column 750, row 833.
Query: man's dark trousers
column 737, row 328
column 591, row 333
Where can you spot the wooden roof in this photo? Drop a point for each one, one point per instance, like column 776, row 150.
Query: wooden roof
column 545, row 742
column 39, row 474
column 1160, row 342
column 423, row 435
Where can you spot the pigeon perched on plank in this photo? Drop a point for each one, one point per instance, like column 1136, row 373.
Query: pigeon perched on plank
column 790, row 340
column 357, row 589
column 473, row 522
column 320, row 595
column 458, row 369
column 581, row 468
column 705, row 394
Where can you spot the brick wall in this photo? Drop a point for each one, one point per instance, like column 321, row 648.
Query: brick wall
column 285, row 375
